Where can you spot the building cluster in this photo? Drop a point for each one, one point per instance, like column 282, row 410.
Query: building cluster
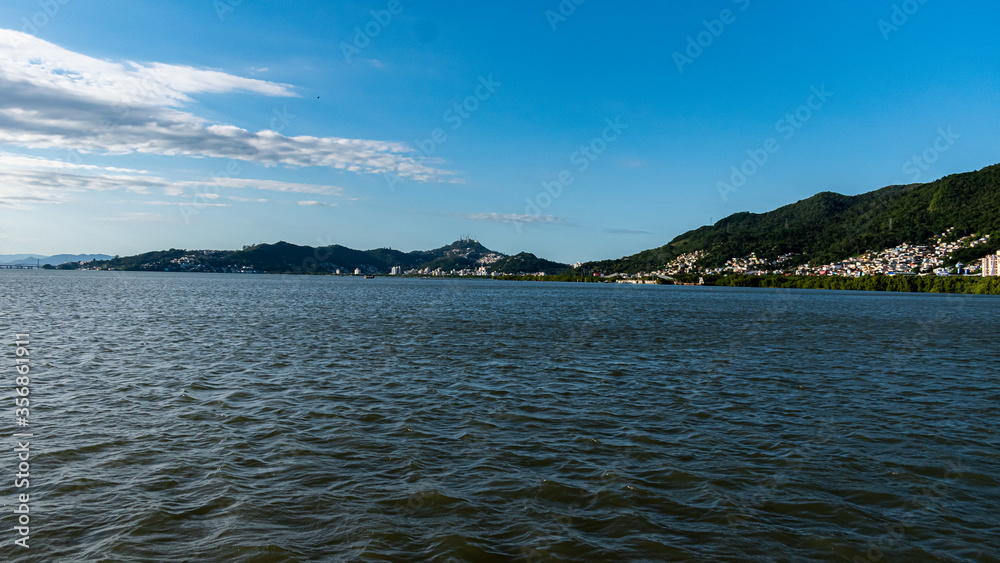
column 928, row 259
column 750, row 265
column 686, row 263
column 932, row 258
column 481, row 261
column 489, row 258
column 480, row 272
column 193, row 262
column 990, row 265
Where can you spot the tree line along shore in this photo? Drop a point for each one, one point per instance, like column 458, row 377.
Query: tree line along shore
column 977, row 285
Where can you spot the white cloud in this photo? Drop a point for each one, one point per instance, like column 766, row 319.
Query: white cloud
column 21, row 188
column 27, row 180
column 627, row 232
column 24, row 161
column 51, row 97
column 512, row 218
column 246, row 199
column 316, row 204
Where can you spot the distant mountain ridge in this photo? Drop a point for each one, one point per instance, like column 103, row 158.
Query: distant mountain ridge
column 55, row 260
column 820, row 229
column 283, row 257
column 830, row 226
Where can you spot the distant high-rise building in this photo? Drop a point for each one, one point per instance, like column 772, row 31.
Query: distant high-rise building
column 991, row 265
column 396, row 271
column 357, row 271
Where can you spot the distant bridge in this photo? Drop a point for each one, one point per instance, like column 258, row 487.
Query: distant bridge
column 19, row 266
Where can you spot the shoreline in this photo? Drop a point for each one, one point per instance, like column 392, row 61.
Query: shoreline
column 969, row 285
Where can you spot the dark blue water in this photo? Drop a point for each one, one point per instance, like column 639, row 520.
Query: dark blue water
column 190, row 417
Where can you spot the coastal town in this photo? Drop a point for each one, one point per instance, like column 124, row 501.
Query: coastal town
column 932, row 258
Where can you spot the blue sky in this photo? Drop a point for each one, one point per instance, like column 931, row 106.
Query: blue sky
column 573, row 131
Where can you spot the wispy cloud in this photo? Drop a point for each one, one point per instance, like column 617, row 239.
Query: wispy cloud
column 24, row 161
column 312, row 203
column 186, row 203
column 139, row 217
column 20, row 188
column 246, row 199
column 26, row 180
column 275, row 185
column 512, row 218
column 51, row 97
column 626, row 232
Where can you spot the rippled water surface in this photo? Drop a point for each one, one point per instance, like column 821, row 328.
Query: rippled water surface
column 188, row 417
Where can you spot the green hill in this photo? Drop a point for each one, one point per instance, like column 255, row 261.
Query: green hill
column 830, row 226
column 284, row 257
column 525, row 262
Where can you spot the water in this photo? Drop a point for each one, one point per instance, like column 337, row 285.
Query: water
column 189, row 417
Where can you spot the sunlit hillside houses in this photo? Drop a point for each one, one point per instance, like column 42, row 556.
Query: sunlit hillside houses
column 921, row 259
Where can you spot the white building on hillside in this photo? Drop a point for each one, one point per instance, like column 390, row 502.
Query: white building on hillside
column 991, row 265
